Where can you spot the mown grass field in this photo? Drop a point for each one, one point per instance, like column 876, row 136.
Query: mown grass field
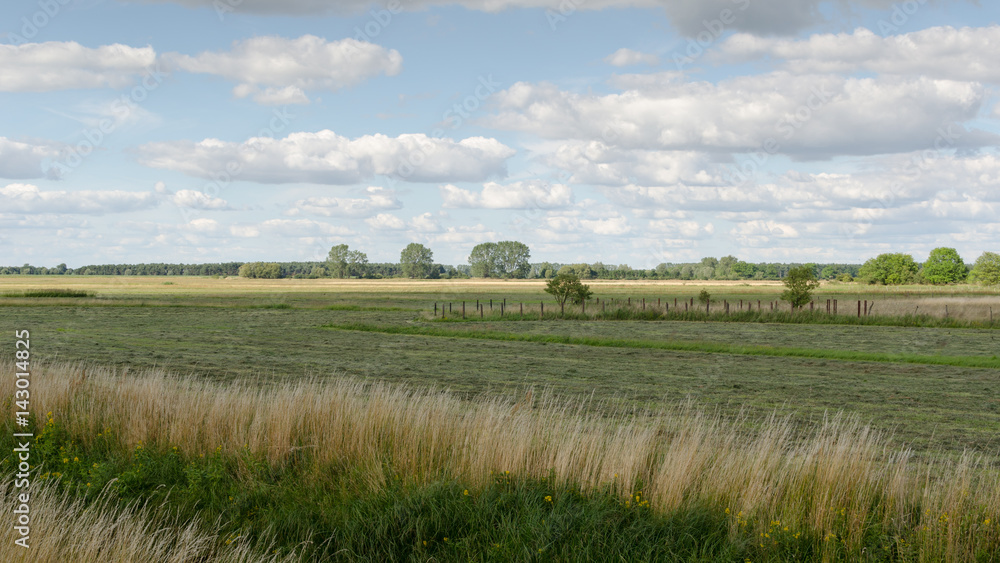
column 935, row 389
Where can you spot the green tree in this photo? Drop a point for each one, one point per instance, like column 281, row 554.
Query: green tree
column 829, row 272
column 417, row 261
column 986, row 269
column 889, row 269
column 944, row 265
column 260, row 270
column 504, row 259
column 512, row 258
column 342, row 262
column 483, row 260
column 565, row 287
column 800, row 282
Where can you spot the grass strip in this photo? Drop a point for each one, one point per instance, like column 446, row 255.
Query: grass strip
column 706, row 347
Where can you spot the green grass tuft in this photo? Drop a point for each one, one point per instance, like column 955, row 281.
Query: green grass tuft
column 49, row 293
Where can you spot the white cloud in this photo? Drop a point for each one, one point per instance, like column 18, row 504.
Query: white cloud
column 21, row 160
column 628, row 57
column 327, row 158
column 814, row 116
column 965, row 54
column 529, row 194
column 595, row 162
column 425, row 223
column 64, row 65
column 386, row 222
column 377, row 199
column 286, row 67
column 26, row 198
column 289, row 95
column 198, row 200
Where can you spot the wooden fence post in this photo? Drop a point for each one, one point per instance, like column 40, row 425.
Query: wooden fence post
column 643, row 303
column 834, row 306
column 522, row 308
column 866, row 307
column 541, row 314
column 859, row 308
column 435, row 309
column 827, row 306
column 463, row 309
column 810, row 306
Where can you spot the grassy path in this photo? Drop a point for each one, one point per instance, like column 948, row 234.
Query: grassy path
column 673, row 345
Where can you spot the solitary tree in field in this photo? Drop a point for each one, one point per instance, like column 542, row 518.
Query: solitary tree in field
column 986, row 270
column 800, row 282
column 344, row 263
column 944, row 265
column 504, row 259
column 567, row 287
column 416, row 260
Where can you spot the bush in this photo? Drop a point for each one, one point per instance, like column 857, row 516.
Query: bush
column 264, row 270
column 704, row 297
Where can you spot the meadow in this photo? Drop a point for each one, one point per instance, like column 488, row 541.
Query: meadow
column 696, row 434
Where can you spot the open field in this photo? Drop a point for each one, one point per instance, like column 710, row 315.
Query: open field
column 935, row 390
column 341, row 470
column 230, row 328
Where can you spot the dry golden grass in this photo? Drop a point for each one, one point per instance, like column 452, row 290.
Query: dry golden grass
column 64, row 530
column 839, row 481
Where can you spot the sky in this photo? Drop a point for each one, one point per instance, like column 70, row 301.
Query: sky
column 628, row 132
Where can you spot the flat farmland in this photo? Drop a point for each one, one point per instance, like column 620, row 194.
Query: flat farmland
column 277, row 330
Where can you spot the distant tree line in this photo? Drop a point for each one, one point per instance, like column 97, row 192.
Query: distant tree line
column 511, row 259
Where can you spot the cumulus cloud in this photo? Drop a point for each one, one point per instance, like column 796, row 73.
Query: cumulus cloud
column 64, row 65
column 198, row 200
column 814, row 116
column 386, row 222
column 596, row 162
column 963, row 54
column 286, row 67
column 27, row 198
column 22, row 160
column 629, row 57
column 327, row 158
column 377, row 199
column 529, row 194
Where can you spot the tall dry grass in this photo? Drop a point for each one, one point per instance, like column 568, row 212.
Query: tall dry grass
column 65, row 530
column 842, row 481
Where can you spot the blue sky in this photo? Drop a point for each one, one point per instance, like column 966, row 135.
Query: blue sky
column 633, row 132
